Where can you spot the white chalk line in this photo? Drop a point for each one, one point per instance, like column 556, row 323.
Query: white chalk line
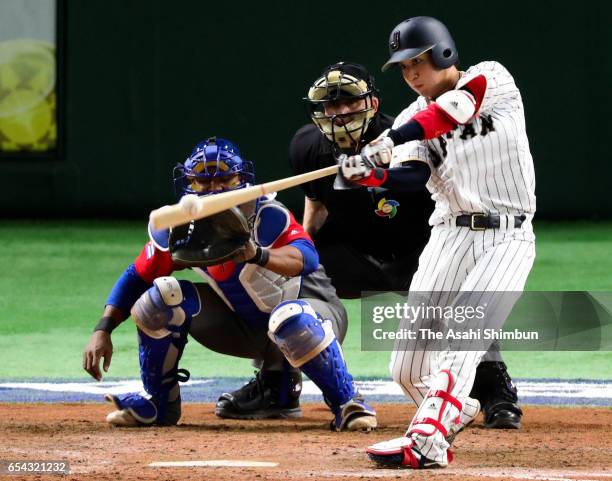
column 214, row 463
column 506, row 473
column 527, row 389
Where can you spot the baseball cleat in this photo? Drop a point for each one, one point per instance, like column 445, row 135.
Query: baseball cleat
column 471, row 408
column 122, row 418
column 503, row 415
column 355, row 415
column 263, row 397
column 498, row 396
column 131, row 410
column 401, row 453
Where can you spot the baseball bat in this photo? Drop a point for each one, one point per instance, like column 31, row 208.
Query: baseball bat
column 192, row 207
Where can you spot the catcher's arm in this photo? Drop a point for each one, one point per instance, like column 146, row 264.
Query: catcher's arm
column 290, row 248
column 100, row 345
column 287, row 261
column 133, row 282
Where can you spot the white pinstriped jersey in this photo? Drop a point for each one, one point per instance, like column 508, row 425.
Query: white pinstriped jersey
column 484, row 165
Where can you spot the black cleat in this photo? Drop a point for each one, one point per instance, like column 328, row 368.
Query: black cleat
column 497, row 394
column 503, row 415
column 269, row 395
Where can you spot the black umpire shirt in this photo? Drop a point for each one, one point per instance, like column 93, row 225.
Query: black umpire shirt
column 353, row 217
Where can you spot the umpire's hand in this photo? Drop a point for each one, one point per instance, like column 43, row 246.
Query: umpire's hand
column 99, row 346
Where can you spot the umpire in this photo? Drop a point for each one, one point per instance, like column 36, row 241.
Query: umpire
column 370, row 239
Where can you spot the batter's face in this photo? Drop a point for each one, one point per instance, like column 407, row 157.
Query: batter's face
column 425, row 78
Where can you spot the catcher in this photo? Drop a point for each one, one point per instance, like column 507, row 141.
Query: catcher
column 265, row 298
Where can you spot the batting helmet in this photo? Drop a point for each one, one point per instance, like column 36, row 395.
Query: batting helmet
column 212, row 158
column 342, row 81
column 417, row 35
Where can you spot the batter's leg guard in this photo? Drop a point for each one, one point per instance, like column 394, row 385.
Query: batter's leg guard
column 159, row 354
column 309, row 343
column 471, row 408
column 427, row 432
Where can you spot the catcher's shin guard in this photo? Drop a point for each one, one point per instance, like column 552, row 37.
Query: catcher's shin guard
column 310, row 344
column 172, row 304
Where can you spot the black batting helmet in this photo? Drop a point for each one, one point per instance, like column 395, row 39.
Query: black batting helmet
column 417, row 35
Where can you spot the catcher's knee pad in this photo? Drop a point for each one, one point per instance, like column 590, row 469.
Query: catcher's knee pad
column 160, row 350
column 165, row 303
column 310, row 344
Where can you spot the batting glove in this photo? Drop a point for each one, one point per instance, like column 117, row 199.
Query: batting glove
column 379, row 151
column 355, row 168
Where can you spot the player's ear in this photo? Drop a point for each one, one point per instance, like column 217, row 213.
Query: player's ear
column 375, row 104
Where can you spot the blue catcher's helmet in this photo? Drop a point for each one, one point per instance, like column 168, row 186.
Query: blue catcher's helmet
column 213, row 158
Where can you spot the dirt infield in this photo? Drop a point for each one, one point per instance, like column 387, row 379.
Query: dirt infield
column 556, row 444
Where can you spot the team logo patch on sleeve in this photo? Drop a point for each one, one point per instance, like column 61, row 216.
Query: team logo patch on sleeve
column 387, row 208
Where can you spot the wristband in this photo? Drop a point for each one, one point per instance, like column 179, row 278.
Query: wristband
column 261, row 257
column 106, row 324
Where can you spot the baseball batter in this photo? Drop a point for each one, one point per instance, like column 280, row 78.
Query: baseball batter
column 464, row 137
column 344, row 108
column 266, row 297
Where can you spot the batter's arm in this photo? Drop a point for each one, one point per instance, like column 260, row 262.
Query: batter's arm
column 315, row 214
column 409, row 177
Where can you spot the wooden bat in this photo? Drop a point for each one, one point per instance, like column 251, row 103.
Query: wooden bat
column 192, row 207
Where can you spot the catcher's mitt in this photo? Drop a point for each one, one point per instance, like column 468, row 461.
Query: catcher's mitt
column 212, row 240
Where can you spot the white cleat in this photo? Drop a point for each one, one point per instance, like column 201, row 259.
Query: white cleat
column 362, row 423
column 122, row 418
column 355, row 415
column 131, row 410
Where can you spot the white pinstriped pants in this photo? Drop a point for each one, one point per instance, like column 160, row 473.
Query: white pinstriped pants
column 459, row 259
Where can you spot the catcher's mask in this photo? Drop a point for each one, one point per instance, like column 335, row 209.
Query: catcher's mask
column 214, row 161
column 342, row 82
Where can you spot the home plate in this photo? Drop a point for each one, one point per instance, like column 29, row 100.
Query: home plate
column 214, row 463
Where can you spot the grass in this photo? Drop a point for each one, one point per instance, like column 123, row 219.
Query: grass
column 57, row 276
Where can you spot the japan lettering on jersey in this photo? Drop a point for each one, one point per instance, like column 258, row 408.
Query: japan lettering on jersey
column 484, row 165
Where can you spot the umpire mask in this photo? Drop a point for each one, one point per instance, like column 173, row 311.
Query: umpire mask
column 340, row 103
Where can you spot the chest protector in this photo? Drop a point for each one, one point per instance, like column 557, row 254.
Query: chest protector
column 266, row 288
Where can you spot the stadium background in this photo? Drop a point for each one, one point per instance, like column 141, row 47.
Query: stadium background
column 143, row 81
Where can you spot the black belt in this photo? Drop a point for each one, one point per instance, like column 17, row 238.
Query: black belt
column 485, row 221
